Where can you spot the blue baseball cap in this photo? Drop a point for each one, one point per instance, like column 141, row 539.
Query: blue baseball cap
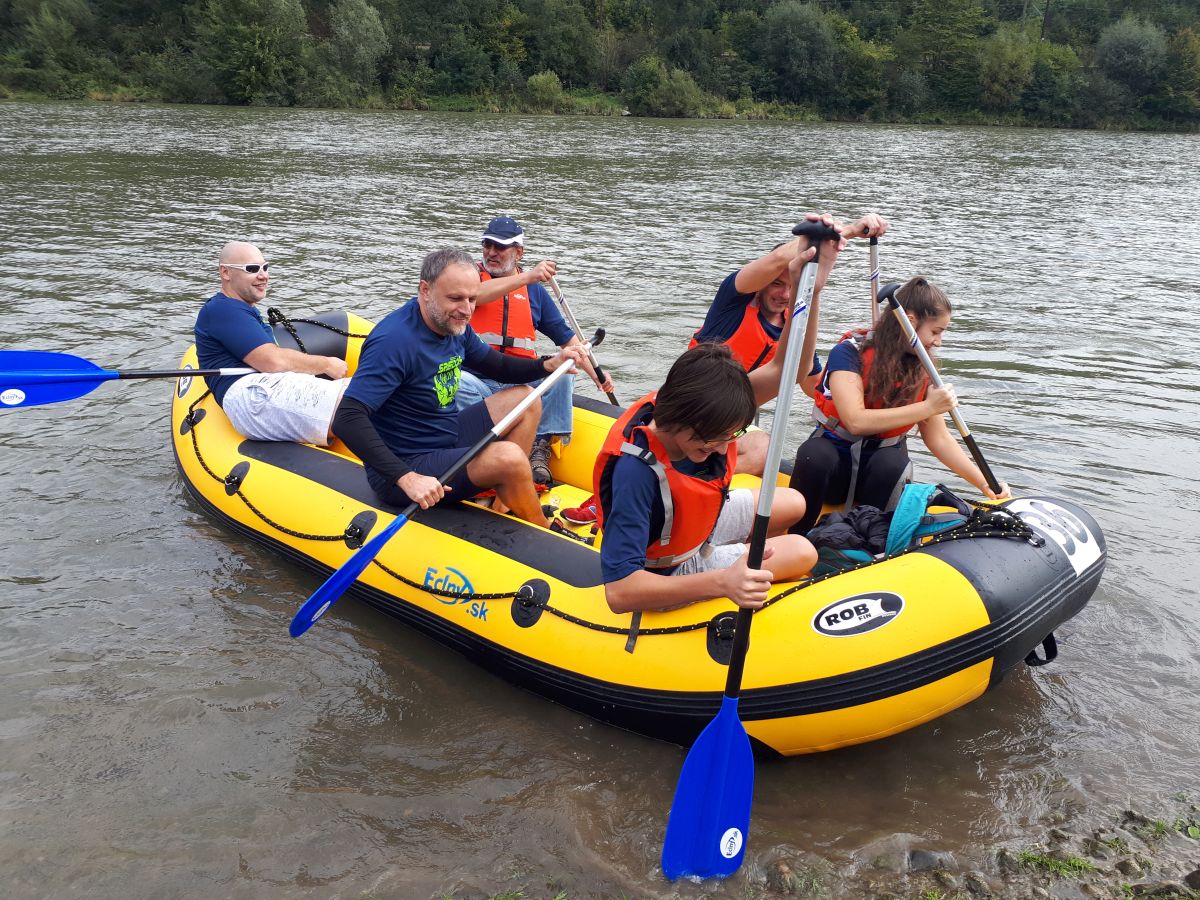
column 504, row 230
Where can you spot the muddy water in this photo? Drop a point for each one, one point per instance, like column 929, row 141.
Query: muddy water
column 160, row 735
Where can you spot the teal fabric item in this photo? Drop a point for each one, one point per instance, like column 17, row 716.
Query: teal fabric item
column 831, row 560
column 912, row 521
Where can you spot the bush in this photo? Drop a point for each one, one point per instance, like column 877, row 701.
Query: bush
column 545, row 90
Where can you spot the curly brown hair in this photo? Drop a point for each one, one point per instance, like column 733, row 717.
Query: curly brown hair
column 896, row 375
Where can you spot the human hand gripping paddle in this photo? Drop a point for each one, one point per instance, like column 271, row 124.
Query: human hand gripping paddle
column 33, row 377
column 570, row 317
column 346, row 574
column 710, row 816
column 889, row 294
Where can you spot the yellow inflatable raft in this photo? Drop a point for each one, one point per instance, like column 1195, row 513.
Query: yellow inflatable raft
column 838, row 660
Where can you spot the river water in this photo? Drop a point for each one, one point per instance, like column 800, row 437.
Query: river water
column 162, row 736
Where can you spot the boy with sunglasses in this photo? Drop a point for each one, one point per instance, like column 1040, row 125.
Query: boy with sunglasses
column 283, row 401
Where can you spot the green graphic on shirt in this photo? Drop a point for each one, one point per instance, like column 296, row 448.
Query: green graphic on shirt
column 445, row 382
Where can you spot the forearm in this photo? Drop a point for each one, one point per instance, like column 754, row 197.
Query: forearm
column 352, row 425
column 756, row 275
column 864, row 421
column 509, row 369
column 644, row 590
column 495, row 288
column 941, row 443
column 269, row 358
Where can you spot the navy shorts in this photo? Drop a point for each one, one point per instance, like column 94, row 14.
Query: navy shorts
column 473, row 423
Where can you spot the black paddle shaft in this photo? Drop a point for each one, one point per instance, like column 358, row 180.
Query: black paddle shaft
column 889, row 294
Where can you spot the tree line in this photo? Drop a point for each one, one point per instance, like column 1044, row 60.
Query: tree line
column 1058, row 63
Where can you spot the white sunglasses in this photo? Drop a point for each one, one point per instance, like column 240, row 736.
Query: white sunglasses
column 248, row 268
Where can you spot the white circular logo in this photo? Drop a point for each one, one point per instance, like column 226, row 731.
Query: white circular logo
column 12, row 397
column 731, row 843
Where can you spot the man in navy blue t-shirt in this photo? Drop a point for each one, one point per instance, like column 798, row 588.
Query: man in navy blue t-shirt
column 748, row 315
column 283, row 401
column 399, row 414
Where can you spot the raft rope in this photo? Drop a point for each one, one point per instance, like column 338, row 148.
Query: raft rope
column 984, row 521
column 275, row 317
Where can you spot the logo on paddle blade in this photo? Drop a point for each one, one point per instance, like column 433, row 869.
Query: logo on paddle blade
column 12, row 397
column 185, row 385
column 858, row 614
column 731, row 843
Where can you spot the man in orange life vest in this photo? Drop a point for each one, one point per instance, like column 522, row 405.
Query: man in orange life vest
column 748, row 314
column 511, row 307
column 663, row 479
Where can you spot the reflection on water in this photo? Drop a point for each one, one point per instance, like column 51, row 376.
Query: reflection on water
column 156, row 712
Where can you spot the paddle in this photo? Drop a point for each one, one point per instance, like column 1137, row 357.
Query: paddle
column 346, row 574
column 889, row 294
column 570, row 317
column 710, row 816
column 32, row 377
column 874, row 281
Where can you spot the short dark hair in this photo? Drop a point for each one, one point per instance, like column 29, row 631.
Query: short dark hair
column 708, row 391
column 437, row 261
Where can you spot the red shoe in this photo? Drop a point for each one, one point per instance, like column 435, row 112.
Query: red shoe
column 584, row 514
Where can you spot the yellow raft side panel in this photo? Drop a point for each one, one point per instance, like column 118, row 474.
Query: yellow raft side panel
column 870, row 721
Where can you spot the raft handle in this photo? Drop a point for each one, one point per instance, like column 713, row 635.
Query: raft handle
column 529, row 602
column 1049, row 647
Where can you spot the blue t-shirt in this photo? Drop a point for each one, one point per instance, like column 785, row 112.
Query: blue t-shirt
column 408, row 375
column 725, row 318
column 226, row 331
column 726, row 313
column 546, row 317
column 637, row 512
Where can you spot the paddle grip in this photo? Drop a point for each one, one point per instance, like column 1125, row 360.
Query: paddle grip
column 816, row 231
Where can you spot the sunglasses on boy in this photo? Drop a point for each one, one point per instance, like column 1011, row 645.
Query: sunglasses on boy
column 708, row 443
column 248, row 268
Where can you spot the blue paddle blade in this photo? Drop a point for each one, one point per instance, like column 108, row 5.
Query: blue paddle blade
column 33, row 377
column 345, row 575
column 710, row 817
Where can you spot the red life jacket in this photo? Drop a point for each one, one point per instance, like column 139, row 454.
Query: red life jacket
column 506, row 324
column 690, row 505
column 750, row 344
column 825, row 412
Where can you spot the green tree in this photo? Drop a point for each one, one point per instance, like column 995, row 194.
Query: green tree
column 254, row 48
column 641, row 83
column 1005, row 68
column 359, row 40
column 799, row 51
column 559, row 37
column 942, row 40
column 1055, row 83
column 545, row 90
column 461, row 67
column 1178, row 99
column 1133, row 54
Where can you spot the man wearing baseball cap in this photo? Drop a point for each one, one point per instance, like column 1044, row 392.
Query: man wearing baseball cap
column 512, row 307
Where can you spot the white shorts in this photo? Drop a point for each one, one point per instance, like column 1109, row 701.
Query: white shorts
column 727, row 543
column 284, row 406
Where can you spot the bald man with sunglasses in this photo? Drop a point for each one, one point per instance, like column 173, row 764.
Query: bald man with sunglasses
column 284, row 400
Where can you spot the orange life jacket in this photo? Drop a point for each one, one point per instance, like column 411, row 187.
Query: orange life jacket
column 506, row 324
column 825, row 412
column 690, row 505
column 750, row 344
